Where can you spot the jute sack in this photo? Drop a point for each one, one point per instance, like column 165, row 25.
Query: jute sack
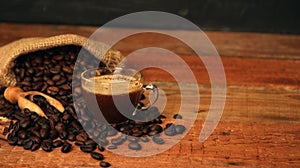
column 13, row 50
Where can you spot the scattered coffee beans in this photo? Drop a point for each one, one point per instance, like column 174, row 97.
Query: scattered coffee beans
column 51, row 72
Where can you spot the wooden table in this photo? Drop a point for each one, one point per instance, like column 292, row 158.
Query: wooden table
column 260, row 125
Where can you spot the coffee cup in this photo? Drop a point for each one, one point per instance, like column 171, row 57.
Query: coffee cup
column 114, row 95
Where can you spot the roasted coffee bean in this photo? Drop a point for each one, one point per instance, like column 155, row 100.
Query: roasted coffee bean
column 52, row 90
column 28, row 143
column 66, row 147
column 158, row 128
column 162, row 116
column 25, row 123
column 104, row 164
column 132, row 139
column 82, row 136
column 22, row 134
column 36, row 139
column 56, row 77
column 137, row 133
column 60, row 126
column 79, row 143
column 35, row 147
column 179, row 129
column 47, row 145
column 61, row 81
column 51, row 83
column 168, row 125
column 101, row 148
column 177, row 116
column 170, row 131
column 112, row 147
column 55, row 70
column 153, row 132
column 67, row 70
column 66, row 87
column 146, row 130
column 71, row 137
column 158, row 140
column 97, row 156
column 12, row 140
column 90, row 142
column 134, row 146
column 117, row 141
column 53, row 134
column 57, row 143
column 87, row 148
column 145, row 139
column 58, row 57
column 63, row 135
column 112, row 132
column 20, row 142
column 44, row 132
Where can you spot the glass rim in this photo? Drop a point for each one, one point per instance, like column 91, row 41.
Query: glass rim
column 135, row 72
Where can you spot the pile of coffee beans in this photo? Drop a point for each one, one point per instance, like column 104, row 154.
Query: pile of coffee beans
column 51, row 72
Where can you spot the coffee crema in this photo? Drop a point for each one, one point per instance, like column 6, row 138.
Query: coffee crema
column 112, row 84
column 110, row 90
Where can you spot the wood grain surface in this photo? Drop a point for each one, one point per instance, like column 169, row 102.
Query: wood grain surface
column 260, row 125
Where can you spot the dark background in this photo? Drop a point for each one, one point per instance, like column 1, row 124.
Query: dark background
column 268, row 16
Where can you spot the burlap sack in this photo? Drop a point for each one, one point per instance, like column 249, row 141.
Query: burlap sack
column 13, row 50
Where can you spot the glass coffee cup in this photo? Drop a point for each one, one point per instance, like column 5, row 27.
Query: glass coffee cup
column 114, row 95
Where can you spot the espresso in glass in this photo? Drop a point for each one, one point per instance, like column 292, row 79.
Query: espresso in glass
column 113, row 96
column 116, row 95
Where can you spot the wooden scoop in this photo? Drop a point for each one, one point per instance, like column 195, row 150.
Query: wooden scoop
column 17, row 95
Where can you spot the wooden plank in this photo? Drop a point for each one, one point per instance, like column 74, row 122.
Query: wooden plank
column 274, row 46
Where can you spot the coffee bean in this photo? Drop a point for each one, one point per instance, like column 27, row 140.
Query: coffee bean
column 177, row 116
column 101, row 148
column 117, row 141
column 112, row 132
column 132, row 139
column 170, row 131
column 55, row 70
column 145, row 139
column 97, row 156
column 158, row 140
column 61, row 81
column 53, row 134
column 82, row 136
column 35, row 147
column 44, row 132
column 153, row 132
column 22, row 134
column 112, row 147
column 47, row 145
column 28, row 143
column 134, row 146
column 36, row 139
column 71, row 137
column 52, row 90
column 79, row 143
column 104, row 164
column 63, row 135
column 51, row 83
column 67, row 70
column 56, row 77
column 146, row 130
column 58, row 57
column 158, row 128
column 57, row 143
column 12, row 140
column 180, row 129
column 90, row 142
column 60, row 127
column 87, row 148
column 25, row 123
column 66, row 147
